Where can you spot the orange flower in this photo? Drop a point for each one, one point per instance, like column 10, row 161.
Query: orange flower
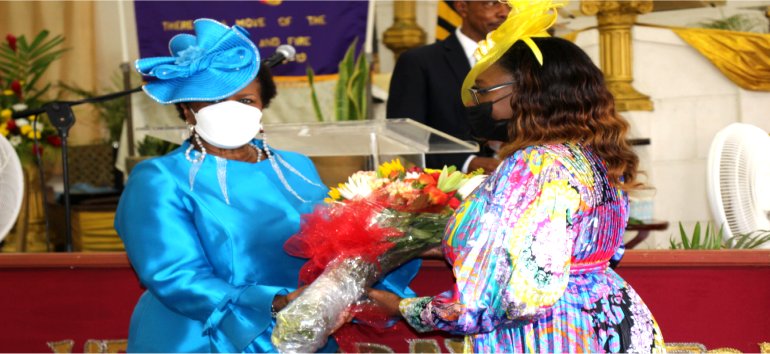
column 426, row 180
column 436, row 196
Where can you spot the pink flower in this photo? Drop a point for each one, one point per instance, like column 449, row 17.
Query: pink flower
column 11, row 41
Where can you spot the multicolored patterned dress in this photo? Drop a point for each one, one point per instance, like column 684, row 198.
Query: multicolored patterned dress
column 530, row 250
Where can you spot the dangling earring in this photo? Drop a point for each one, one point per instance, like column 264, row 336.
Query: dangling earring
column 189, row 150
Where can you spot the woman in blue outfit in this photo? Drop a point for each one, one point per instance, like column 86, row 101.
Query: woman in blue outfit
column 204, row 226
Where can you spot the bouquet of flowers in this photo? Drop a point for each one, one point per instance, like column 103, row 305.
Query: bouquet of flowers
column 22, row 64
column 370, row 225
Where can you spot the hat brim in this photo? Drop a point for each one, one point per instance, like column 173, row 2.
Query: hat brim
column 210, row 85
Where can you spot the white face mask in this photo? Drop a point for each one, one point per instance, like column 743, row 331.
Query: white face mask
column 228, row 124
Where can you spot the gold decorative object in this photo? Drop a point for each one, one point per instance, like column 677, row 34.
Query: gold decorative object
column 615, row 19
column 28, row 235
column 404, row 34
column 62, row 346
column 724, row 350
column 105, row 346
column 698, row 348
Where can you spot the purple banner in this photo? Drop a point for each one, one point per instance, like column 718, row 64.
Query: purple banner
column 321, row 31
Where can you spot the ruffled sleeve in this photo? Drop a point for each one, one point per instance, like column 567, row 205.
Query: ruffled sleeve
column 155, row 221
column 513, row 259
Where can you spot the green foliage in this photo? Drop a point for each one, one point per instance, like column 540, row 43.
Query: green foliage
column 749, row 240
column 738, row 23
column 350, row 93
column 28, row 62
column 313, row 96
column 711, row 240
column 22, row 64
column 151, row 146
column 714, row 240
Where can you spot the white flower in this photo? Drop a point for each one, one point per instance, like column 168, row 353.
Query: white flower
column 15, row 140
column 21, row 122
column 470, row 185
column 412, row 175
column 19, row 107
column 360, row 185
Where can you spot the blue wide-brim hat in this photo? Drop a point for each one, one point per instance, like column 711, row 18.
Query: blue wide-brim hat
column 215, row 63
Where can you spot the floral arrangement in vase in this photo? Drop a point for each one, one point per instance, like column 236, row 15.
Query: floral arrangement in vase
column 22, row 65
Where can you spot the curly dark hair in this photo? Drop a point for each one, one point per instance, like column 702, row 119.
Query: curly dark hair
column 267, row 90
column 566, row 100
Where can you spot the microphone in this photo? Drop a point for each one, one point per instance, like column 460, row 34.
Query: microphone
column 283, row 53
column 56, row 105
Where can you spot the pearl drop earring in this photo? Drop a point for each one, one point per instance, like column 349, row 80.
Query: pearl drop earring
column 189, row 150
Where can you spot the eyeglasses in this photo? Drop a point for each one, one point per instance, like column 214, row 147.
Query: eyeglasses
column 475, row 92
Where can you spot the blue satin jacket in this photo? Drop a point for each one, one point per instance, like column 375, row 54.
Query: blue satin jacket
column 211, row 269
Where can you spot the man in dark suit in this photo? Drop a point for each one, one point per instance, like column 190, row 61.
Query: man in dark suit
column 426, row 82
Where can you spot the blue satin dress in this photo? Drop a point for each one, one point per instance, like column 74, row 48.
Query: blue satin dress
column 211, row 269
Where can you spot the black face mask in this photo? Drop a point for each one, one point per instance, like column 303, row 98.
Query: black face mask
column 483, row 127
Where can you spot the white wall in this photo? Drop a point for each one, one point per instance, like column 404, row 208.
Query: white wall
column 692, row 102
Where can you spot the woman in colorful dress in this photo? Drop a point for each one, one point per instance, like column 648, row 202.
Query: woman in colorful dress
column 530, row 247
column 204, row 226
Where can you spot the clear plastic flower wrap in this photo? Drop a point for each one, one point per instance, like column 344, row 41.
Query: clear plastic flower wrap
column 377, row 222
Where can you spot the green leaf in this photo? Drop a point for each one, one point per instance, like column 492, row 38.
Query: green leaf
column 757, row 238
column 718, row 238
column 671, row 244
column 39, row 38
column 21, row 44
column 313, row 96
column 39, row 93
column 45, row 47
column 346, row 67
column 683, row 235
column 350, row 94
column 695, row 241
column 361, row 83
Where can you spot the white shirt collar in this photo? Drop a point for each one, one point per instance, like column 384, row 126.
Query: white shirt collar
column 469, row 45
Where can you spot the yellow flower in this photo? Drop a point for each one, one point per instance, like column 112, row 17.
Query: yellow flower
column 6, row 114
column 8, row 92
column 387, row 168
column 32, row 118
column 24, row 129
column 32, row 135
column 334, row 194
column 3, row 130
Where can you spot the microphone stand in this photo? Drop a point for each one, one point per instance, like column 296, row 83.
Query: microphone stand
column 62, row 118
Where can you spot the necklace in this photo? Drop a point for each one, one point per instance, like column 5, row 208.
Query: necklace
column 258, row 150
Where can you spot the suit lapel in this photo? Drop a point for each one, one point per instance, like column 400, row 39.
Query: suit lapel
column 455, row 56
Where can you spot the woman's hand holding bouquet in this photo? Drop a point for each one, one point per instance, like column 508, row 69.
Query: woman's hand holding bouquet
column 370, row 225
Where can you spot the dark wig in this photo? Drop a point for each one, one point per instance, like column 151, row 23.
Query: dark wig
column 267, row 89
column 566, row 100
